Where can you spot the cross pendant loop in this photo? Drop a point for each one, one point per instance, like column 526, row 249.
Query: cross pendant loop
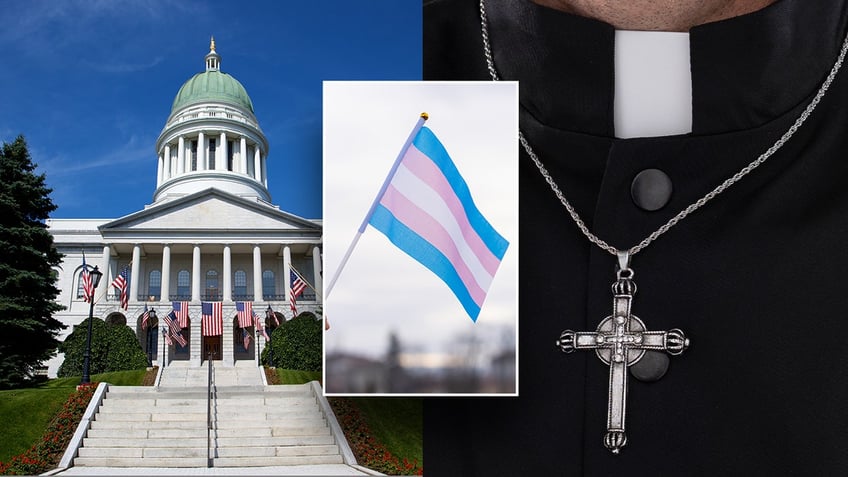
column 620, row 341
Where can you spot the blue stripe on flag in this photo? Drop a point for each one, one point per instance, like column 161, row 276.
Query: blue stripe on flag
column 425, row 253
column 429, row 144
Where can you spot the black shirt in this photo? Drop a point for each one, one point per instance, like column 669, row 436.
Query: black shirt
column 757, row 278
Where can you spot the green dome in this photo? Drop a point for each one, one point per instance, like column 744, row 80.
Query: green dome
column 212, row 86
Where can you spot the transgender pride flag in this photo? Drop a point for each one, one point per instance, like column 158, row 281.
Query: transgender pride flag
column 426, row 209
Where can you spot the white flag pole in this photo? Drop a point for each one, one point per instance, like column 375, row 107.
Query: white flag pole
column 383, row 188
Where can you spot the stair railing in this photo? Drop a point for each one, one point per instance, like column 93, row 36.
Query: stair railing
column 209, row 456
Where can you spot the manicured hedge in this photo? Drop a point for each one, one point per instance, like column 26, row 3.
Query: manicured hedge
column 113, row 348
column 297, row 344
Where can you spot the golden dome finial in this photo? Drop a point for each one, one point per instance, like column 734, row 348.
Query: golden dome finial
column 212, row 44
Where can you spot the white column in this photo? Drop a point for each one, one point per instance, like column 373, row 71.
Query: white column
column 316, row 268
column 201, row 152
column 166, row 273
column 195, row 274
column 134, row 278
column 105, row 266
column 264, row 171
column 286, row 268
column 167, row 166
column 243, row 156
column 228, row 287
column 257, row 274
column 181, row 156
column 221, row 154
column 159, row 170
column 257, row 166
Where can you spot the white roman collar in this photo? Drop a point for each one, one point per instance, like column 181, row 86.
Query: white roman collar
column 653, row 84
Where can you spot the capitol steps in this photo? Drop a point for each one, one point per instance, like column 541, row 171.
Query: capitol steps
column 253, row 426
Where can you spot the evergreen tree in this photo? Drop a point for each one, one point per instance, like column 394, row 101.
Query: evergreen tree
column 28, row 331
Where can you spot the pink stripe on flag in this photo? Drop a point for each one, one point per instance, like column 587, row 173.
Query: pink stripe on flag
column 432, row 231
column 426, row 170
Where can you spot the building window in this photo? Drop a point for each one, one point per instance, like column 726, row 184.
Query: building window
column 230, row 151
column 154, row 284
column 240, row 288
column 304, row 266
column 211, row 153
column 79, row 285
column 183, row 285
column 212, row 291
column 269, row 288
column 194, row 155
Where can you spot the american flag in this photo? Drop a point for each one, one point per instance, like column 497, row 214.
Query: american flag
column 120, row 282
column 274, row 316
column 144, row 317
column 297, row 287
column 260, row 327
column 174, row 327
column 87, row 288
column 212, row 323
column 244, row 309
column 181, row 309
column 246, row 336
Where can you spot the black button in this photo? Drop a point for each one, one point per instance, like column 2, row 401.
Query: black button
column 651, row 189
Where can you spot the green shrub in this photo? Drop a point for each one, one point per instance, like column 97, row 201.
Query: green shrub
column 297, row 343
column 125, row 352
column 113, row 348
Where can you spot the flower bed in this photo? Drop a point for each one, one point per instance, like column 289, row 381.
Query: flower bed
column 47, row 453
column 368, row 451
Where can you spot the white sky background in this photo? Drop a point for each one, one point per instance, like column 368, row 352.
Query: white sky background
column 382, row 289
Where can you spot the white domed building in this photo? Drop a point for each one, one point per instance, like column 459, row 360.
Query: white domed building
column 211, row 233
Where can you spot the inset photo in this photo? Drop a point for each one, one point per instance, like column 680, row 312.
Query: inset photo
column 420, row 238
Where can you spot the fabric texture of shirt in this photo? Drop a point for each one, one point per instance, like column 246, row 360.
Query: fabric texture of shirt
column 757, row 278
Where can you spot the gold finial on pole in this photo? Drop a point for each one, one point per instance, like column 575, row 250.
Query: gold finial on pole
column 212, row 44
column 425, row 116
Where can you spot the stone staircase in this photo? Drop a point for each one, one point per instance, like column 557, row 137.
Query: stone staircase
column 253, row 425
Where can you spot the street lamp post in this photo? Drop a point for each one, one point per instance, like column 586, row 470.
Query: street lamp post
column 162, row 359
column 269, row 314
column 95, row 275
column 151, row 317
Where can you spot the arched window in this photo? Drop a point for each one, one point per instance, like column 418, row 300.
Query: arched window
column 269, row 288
column 183, row 285
column 212, row 289
column 154, row 284
column 240, row 285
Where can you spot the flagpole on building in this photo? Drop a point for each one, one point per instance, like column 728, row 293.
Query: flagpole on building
column 391, row 174
column 304, row 280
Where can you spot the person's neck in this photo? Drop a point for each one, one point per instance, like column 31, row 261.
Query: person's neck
column 657, row 15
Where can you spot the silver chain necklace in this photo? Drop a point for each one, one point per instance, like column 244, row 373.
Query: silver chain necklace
column 621, row 340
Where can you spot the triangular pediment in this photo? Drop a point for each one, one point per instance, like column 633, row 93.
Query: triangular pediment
column 211, row 210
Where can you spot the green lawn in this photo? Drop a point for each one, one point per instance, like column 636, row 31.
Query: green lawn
column 293, row 376
column 397, row 422
column 25, row 413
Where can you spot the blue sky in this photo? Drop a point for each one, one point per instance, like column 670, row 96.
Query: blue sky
column 90, row 84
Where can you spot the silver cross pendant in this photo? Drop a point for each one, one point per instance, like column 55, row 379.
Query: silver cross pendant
column 621, row 341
